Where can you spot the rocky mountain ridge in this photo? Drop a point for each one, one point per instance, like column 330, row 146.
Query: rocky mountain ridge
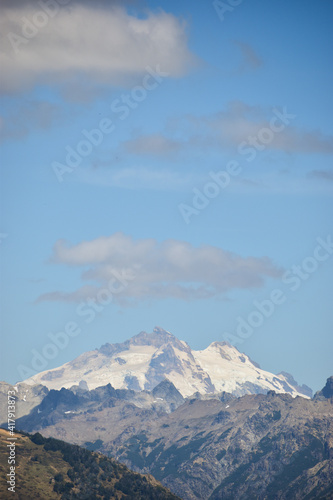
column 255, row 446
column 64, row 405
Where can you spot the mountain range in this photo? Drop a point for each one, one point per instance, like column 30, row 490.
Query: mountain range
column 147, row 359
column 207, row 424
column 209, row 447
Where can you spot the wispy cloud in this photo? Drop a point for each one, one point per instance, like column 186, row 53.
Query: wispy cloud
column 325, row 175
column 84, row 44
column 172, row 268
column 240, row 122
column 83, row 293
column 250, row 59
column 154, row 144
column 159, row 179
column 31, row 115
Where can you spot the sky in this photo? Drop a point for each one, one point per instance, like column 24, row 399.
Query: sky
column 167, row 163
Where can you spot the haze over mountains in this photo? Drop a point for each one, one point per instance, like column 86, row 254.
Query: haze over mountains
column 147, row 359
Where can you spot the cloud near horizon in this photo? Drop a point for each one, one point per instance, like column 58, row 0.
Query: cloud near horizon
column 170, row 269
column 87, row 44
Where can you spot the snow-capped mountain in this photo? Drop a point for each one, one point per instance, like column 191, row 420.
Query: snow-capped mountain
column 143, row 361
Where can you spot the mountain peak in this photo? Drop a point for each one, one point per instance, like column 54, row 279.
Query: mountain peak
column 328, row 389
column 156, row 338
column 224, row 349
column 217, row 344
column 145, row 360
column 326, row 392
column 161, row 330
column 167, row 390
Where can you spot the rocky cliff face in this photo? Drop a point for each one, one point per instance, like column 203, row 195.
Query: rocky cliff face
column 147, row 359
column 326, row 392
column 27, row 397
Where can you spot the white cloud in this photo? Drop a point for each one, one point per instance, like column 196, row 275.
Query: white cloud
column 84, row 42
column 172, row 268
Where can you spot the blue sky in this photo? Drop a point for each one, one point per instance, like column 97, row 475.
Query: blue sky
column 167, row 163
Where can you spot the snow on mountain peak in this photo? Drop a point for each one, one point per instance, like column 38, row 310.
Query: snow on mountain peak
column 145, row 360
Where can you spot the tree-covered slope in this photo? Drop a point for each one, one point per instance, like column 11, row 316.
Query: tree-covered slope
column 48, row 468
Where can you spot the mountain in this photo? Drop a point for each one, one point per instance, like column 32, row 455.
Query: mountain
column 66, row 404
column 217, row 446
column 326, row 392
column 289, row 379
column 51, row 469
column 147, row 359
column 27, row 397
